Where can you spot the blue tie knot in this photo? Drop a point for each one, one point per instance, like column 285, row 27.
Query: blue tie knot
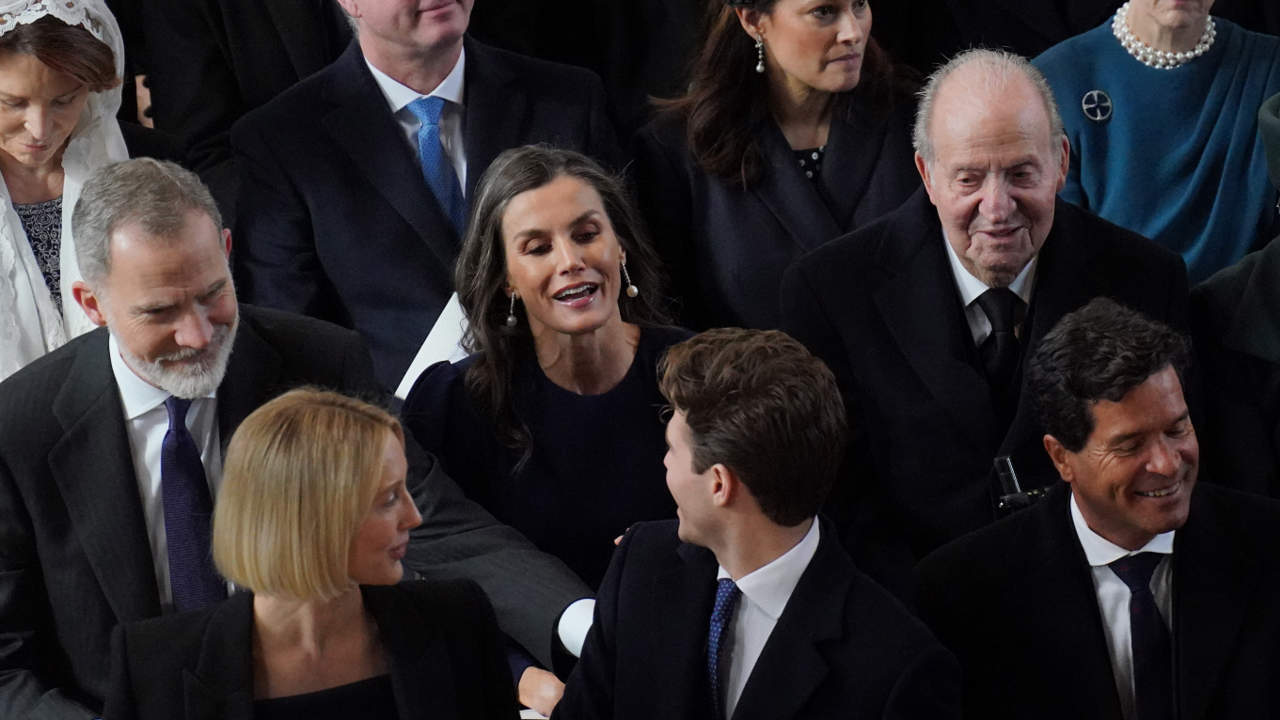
column 177, row 408
column 1136, row 570
column 427, row 109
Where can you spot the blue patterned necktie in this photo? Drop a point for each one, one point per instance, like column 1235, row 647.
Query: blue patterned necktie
column 727, row 594
column 188, row 512
column 436, row 167
column 1149, row 638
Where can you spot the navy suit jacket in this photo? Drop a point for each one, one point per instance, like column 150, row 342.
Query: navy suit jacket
column 335, row 219
column 1015, row 602
column 842, row 647
column 443, row 650
column 74, row 554
column 881, row 308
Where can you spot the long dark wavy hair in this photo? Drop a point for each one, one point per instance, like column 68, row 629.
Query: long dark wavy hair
column 727, row 101
column 481, row 275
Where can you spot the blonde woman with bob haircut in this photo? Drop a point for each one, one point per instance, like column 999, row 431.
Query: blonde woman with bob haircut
column 313, row 519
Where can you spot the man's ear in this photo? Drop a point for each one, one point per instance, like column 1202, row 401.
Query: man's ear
column 724, row 485
column 226, row 241
column 922, row 167
column 89, row 302
column 1059, row 455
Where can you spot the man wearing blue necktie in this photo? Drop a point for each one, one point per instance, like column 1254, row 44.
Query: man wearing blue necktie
column 1131, row 591
column 746, row 606
column 355, row 183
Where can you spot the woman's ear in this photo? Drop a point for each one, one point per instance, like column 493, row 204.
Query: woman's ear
column 749, row 18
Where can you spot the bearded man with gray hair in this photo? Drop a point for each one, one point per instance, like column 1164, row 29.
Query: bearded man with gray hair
column 925, row 316
column 111, row 448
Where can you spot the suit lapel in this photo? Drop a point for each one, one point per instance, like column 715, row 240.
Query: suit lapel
column 921, row 308
column 495, row 108
column 682, row 599
column 221, row 685
column 791, row 665
column 251, row 379
column 413, row 653
column 361, row 125
column 1211, row 591
column 93, row 468
column 789, row 195
column 306, row 50
column 853, row 149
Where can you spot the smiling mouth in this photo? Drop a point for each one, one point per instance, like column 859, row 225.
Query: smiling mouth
column 1160, row 492
column 575, row 293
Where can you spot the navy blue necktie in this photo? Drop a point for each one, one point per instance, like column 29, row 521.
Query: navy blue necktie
column 436, row 167
column 1152, row 650
column 188, row 515
column 1000, row 351
column 727, row 594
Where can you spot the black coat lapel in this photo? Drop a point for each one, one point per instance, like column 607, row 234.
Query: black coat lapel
column 792, row 666
column 789, row 195
column 494, row 113
column 221, row 685
column 302, row 33
column 921, row 308
column 361, row 125
column 413, row 653
column 93, row 466
column 853, row 150
column 682, row 598
column 1212, row 589
column 252, row 378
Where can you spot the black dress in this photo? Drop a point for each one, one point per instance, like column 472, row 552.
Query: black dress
column 596, row 466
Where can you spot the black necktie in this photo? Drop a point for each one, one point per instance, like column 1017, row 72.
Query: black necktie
column 1000, row 351
column 1152, row 651
column 727, row 594
column 188, row 515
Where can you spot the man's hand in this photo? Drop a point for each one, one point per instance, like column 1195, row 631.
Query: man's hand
column 540, row 690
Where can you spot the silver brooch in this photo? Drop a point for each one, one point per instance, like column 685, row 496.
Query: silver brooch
column 1097, row 106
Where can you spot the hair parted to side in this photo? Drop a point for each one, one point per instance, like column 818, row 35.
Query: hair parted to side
column 481, row 272
column 154, row 193
column 68, row 49
column 1099, row 352
column 759, row 403
column 301, row 473
column 999, row 68
column 727, row 100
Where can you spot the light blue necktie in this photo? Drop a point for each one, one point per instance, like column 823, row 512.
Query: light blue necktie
column 436, row 167
column 727, row 594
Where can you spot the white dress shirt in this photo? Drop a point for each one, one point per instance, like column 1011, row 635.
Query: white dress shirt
column 452, row 88
column 765, row 592
column 146, row 421
column 971, row 287
column 1113, row 597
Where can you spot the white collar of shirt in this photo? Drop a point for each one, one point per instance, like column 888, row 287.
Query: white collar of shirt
column 399, row 95
column 137, row 396
column 770, row 586
column 971, row 287
column 1101, row 552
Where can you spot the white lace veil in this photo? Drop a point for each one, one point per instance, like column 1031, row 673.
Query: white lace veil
column 30, row 323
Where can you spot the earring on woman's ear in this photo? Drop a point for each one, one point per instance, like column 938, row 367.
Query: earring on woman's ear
column 632, row 290
column 511, row 312
column 760, row 54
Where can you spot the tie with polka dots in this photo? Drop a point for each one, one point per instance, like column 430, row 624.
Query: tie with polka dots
column 727, row 594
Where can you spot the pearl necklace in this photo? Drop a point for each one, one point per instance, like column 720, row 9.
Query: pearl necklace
column 1160, row 59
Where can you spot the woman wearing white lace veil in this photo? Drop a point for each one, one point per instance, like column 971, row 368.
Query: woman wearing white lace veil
column 60, row 68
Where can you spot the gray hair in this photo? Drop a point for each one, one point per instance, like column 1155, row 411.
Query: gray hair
column 154, row 193
column 999, row 66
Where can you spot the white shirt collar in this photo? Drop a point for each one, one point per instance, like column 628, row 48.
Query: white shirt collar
column 771, row 585
column 399, row 95
column 971, row 287
column 137, row 395
column 1100, row 551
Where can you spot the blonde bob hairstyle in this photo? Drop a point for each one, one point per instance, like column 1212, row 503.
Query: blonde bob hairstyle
column 300, row 475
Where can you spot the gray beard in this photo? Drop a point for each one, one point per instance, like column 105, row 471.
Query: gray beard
column 188, row 373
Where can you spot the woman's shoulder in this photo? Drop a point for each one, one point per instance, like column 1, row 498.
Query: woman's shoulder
column 453, row 599
column 661, row 337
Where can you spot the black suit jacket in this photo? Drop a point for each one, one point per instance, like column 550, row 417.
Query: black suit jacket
column 880, row 307
column 335, row 219
column 442, row 645
column 74, row 554
column 727, row 247
column 842, row 648
column 1015, row 602
column 243, row 53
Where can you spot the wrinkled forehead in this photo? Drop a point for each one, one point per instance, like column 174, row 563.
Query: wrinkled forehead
column 981, row 111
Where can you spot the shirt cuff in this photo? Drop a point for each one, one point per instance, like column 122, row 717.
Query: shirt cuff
column 574, row 623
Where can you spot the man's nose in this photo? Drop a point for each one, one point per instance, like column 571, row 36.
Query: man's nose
column 997, row 203
column 194, row 330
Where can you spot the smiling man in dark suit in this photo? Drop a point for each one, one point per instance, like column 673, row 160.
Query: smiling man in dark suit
column 1132, row 591
column 356, row 182
column 747, row 606
column 925, row 315
column 111, row 448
